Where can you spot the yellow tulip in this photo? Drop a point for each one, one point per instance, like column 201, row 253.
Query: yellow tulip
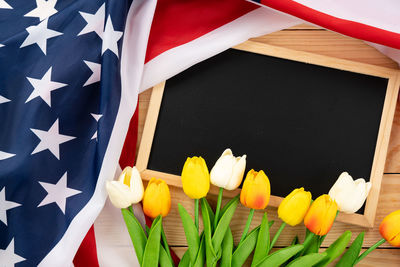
column 256, row 190
column 295, row 206
column 390, row 228
column 195, row 178
column 321, row 215
column 157, row 198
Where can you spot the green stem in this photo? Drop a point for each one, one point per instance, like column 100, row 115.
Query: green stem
column 196, row 214
column 276, row 236
column 164, row 239
column 307, row 241
column 131, row 209
column 216, row 217
column 362, row 256
column 246, row 228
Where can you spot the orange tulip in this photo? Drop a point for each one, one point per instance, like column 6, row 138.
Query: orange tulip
column 390, row 228
column 256, row 190
column 321, row 215
column 156, row 199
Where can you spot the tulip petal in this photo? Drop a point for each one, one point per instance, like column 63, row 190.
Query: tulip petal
column 136, row 186
column 195, row 178
column 390, row 228
column 237, row 173
column 295, row 206
column 119, row 194
column 349, row 195
column 221, row 173
column 157, row 198
column 256, row 190
column 321, row 215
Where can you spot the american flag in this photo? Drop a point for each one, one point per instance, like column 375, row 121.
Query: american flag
column 70, row 74
column 56, row 119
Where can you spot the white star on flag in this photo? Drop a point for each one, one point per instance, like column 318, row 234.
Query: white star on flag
column 58, row 193
column 50, row 140
column 1, row 45
column 5, row 155
column 96, row 72
column 43, row 10
column 38, row 34
column 3, row 4
column 97, row 118
column 5, row 205
column 8, row 257
column 43, row 87
column 110, row 38
column 95, row 22
column 4, row 100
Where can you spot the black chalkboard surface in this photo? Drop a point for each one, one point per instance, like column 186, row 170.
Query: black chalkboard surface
column 303, row 124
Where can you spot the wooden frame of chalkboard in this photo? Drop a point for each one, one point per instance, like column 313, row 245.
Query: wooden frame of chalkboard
column 390, row 99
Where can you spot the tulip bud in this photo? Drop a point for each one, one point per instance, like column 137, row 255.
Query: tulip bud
column 295, row 206
column 321, row 215
column 195, row 178
column 349, row 195
column 156, row 199
column 390, row 228
column 256, row 190
column 228, row 171
column 127, row 190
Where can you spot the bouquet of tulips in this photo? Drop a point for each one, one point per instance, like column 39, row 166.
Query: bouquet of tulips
column 215, row 245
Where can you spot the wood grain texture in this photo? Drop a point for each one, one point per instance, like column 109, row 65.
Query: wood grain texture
column 310, row 39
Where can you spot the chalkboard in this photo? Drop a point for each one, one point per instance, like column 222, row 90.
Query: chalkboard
column 303, row 124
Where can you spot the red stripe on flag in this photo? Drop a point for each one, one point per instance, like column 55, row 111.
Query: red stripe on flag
column 177, row 22
column 346, row 27
column 87, row 252
column 128, row 153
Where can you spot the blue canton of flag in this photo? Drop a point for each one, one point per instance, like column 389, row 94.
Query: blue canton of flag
column 56, row 116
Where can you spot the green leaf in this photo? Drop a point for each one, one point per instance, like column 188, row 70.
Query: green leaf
column 352, row 253
column 136, row 233
column 152, row 250
column 224, row 208
column 211, row 258
column 199, row 262
column 185, row 261
column 164, row 259
column 262, row 246
column 307, row 260
column 224, row 222
column 227, row 249
column 335, row 249
column 192, row 236
column 279, row 257
column 245, row 248
column 210, row 213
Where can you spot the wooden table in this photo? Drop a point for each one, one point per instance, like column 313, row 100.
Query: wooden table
column 319, row 41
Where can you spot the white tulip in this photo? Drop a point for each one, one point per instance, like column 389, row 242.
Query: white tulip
column 350, row 195
column 127, row 190
column 228, row 171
